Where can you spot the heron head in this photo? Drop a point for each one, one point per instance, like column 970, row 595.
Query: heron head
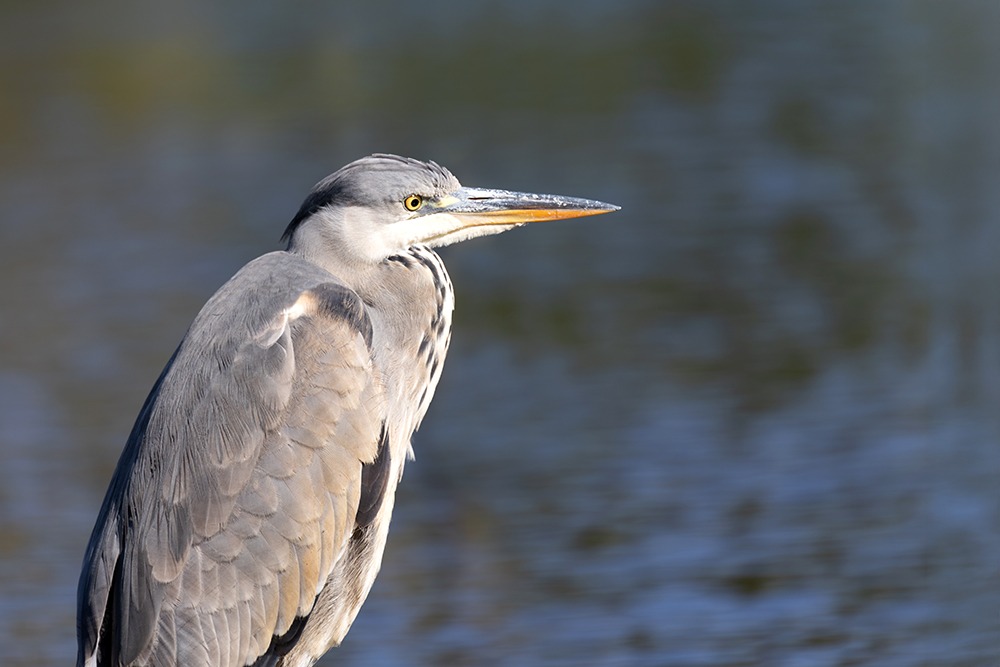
column 382, row 204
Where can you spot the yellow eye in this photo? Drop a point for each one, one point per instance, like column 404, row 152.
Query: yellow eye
column 413, row 202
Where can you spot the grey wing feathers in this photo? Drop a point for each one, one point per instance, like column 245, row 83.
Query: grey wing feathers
column 241, row 481
column 101, row 569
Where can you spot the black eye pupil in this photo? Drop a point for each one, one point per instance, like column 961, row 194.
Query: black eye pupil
column 412, row 202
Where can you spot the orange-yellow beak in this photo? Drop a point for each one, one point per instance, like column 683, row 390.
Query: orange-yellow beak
column 480, row 206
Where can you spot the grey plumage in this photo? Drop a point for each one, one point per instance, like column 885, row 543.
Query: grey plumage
column 246, row 519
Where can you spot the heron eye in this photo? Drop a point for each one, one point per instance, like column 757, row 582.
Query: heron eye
column 413, row 202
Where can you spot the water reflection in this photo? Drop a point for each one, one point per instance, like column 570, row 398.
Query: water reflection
column 748, row 421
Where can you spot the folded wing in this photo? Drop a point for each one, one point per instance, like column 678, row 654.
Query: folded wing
column 240, row 485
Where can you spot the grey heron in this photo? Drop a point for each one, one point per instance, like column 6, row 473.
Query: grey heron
column 247, row 516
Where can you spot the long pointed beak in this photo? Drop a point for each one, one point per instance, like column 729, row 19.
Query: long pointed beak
column 479, row 206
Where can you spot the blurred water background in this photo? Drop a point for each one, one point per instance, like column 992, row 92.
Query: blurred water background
column 751, row 419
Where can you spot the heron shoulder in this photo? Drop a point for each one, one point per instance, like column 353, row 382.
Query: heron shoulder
column 274, row 283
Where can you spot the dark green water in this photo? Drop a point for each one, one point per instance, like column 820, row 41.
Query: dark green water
column 751, row 419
